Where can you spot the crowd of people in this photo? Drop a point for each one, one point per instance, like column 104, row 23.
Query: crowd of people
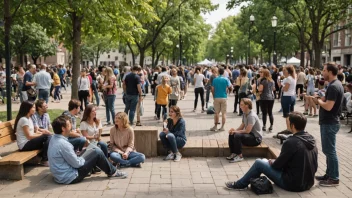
column 74, row 152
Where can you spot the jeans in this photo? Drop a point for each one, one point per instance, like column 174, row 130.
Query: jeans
column 41, row 142
column 110, row 108
column 62, row 82
column 328, row 143
column 134, row 158
column 236, row 140
column 44, row 94
column 267, row 108
column 93, row 159
column 57, row 92
column 77, row 142
column 288, row 104
column 131, row 105
column 172, row 103
column 171, row 142
column 199, row 92
column 158, row 110
column 95, row 91
column 207, row 96
column 236, row 98
column 262, row 166
column 83, row 97
column 104, row 147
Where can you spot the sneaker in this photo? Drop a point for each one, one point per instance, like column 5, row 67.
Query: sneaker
column 237, row 159
column 271, row 128
column 178, row 157
column 120, row 174
column 44, row 163
column 214, row 128
column 231, row 157
column 232, row 186
column 329, row 182
column 263, row 128
column 322, row 178
column 305, row 113
column 171, row 156
column 222, row 129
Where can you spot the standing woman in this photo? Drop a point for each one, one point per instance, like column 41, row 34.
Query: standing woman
column 161, row 97
column 109, row 89
column 214, row 74
column 19, row 77
column 288, row 99
column 267, row 97
column 83, row 88
column 56, row 85
column 91, row 128
column 244, row 84
column 198, row 88
column 95, row 87
column 27, row 138
column 275, row 76
column 123, row 151
column 175, row 85
column 183, row 81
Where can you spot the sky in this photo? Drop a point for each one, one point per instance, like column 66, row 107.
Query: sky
column 214, row 17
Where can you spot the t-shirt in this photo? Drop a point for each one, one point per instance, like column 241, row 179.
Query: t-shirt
column 91, row 130
column 252, row 119
column 162, row 94
column 20, row 136
column 131, row 81
column 62, row 72
column 235, row 74
column 220, row 85
column 333, row 93
column 267, row 93
column 199, row 80
column 310, row 79
column 292, row 89
column 301, row 78
column 28, row 76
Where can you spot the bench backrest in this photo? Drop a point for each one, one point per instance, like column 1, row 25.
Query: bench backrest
column 7, row 134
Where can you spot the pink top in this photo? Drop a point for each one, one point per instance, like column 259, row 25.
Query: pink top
column 111, row 91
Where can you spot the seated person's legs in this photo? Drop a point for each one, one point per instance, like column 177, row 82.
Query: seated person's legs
column 38, row 143
column 135, row 158
column 77, row 142
column 164, row 141
column 235, row 143
column 104, row 147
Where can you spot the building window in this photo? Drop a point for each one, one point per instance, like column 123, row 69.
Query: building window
column 108, row 55
column 336, row 38
column 101, row 62
column 348, row 37
column 116, row 58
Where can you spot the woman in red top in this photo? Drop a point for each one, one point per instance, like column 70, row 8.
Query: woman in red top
column 109, row 90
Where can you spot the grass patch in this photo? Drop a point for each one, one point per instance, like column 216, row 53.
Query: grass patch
column 53, row 113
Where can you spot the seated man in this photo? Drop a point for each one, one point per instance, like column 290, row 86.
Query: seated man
column 66, row 166
column 297, row 164
column 75, row 138
column 248, row 134
column 41, row 118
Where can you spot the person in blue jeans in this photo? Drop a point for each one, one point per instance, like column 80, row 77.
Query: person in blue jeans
column 288, row 99
column 173, row 136
column 109, row 88
column 329, row 120
column 296, row 165
column 123, row 151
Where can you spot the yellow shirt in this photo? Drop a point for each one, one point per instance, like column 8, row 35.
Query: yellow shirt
column 56, row 79
column 163, row 92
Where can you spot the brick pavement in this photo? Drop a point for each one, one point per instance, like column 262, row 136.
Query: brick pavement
column 192, row 177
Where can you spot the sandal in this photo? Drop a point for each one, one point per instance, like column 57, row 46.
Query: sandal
column 138, row 123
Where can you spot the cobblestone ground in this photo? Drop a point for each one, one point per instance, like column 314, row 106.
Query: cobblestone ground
column 192, row 177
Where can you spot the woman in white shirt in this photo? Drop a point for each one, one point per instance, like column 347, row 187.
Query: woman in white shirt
column 198, row 88
column 288, row 99
column 83, row 88
column 27, row 138
column 91, row 128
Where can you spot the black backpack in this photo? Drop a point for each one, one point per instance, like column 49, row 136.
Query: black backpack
column 261, row 185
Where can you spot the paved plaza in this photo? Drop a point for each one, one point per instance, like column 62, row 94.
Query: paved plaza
column 191, row 177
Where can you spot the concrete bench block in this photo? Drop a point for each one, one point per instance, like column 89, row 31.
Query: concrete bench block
column 210, row 148
column 146, row 140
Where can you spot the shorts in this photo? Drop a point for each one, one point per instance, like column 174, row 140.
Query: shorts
column 220, row 105
column 310, row 92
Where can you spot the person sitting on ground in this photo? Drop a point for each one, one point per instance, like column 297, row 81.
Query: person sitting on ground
column 66, row 166
column 249, row 133
column 295, row 167
column 75, row 138
column 41, row 118
column 91, row 128
column 173, row 136
column 122, row 143
column 27, row 138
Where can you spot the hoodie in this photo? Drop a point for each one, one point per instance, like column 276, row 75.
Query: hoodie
column 298, row 162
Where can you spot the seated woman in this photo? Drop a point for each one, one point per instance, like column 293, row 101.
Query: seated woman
column 173, row 136
column 248, row 134
column 91, row 128
column 27, row 138
column 123, row 151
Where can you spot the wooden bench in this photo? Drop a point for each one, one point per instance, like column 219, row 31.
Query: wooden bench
column 11, row 165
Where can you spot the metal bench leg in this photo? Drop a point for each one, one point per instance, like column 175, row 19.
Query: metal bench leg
column 13, row 172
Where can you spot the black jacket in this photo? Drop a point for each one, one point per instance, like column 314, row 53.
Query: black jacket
column 298, row 161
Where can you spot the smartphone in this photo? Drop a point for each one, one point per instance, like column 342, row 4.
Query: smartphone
column 164, row 125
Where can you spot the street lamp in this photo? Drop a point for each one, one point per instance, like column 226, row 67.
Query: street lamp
column 227, row 58
column 231, row 55
column 274, row 24
column 180, row 34
column 261, row 52
column 251, row 19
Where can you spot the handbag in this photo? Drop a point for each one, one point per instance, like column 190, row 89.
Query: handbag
column 173, row 96
column 261, row 186
column 31, row 92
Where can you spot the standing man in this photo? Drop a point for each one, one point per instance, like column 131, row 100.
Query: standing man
column 27, row 82
column 219, row 90
column 42, row 82
column 329, row 111
column 132, row 89
column 62, row 75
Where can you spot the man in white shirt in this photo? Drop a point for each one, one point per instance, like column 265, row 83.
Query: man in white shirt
column 42, row 81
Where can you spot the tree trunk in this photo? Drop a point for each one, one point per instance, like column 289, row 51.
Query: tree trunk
column 141, row 57
column 133, row 56
column 76, row 53
column 302, row 47
column 153, row 55
column 34, row 58
column 25, row 60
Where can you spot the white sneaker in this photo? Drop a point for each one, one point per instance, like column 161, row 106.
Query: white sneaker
column 231, row 157
column 237, row 159
column 171, row 156
column 214, row 128
column 178, row 157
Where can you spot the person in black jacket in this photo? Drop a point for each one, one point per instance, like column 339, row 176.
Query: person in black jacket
column 296, row 166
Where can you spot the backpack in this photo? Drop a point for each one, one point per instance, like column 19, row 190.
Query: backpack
column 210, row 110
column 261, row 185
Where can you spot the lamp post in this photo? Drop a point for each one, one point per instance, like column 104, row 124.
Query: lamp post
column 231, row 55
column 274, row 24
column 180, row 34
column 227, row 58
column 251, row 19
column 178, row 46
column 261, row 52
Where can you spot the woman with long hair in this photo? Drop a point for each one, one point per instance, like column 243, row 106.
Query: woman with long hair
column 244, row 83
column 123, row 151
column 175, row 85
column 109, row 90
column 27, row 138
column 198, row 88
column 56, row 85
column 91, row 128
column 173, row 136
column 83, row 88
column 288, row 99
column 267, row 97
column 183, row 80
column 162, row 97
column 19, row 78
column 309, row 103
column 214, row 74
column 95, row 87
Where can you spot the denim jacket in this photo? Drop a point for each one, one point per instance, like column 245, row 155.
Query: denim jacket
column 179, row 129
